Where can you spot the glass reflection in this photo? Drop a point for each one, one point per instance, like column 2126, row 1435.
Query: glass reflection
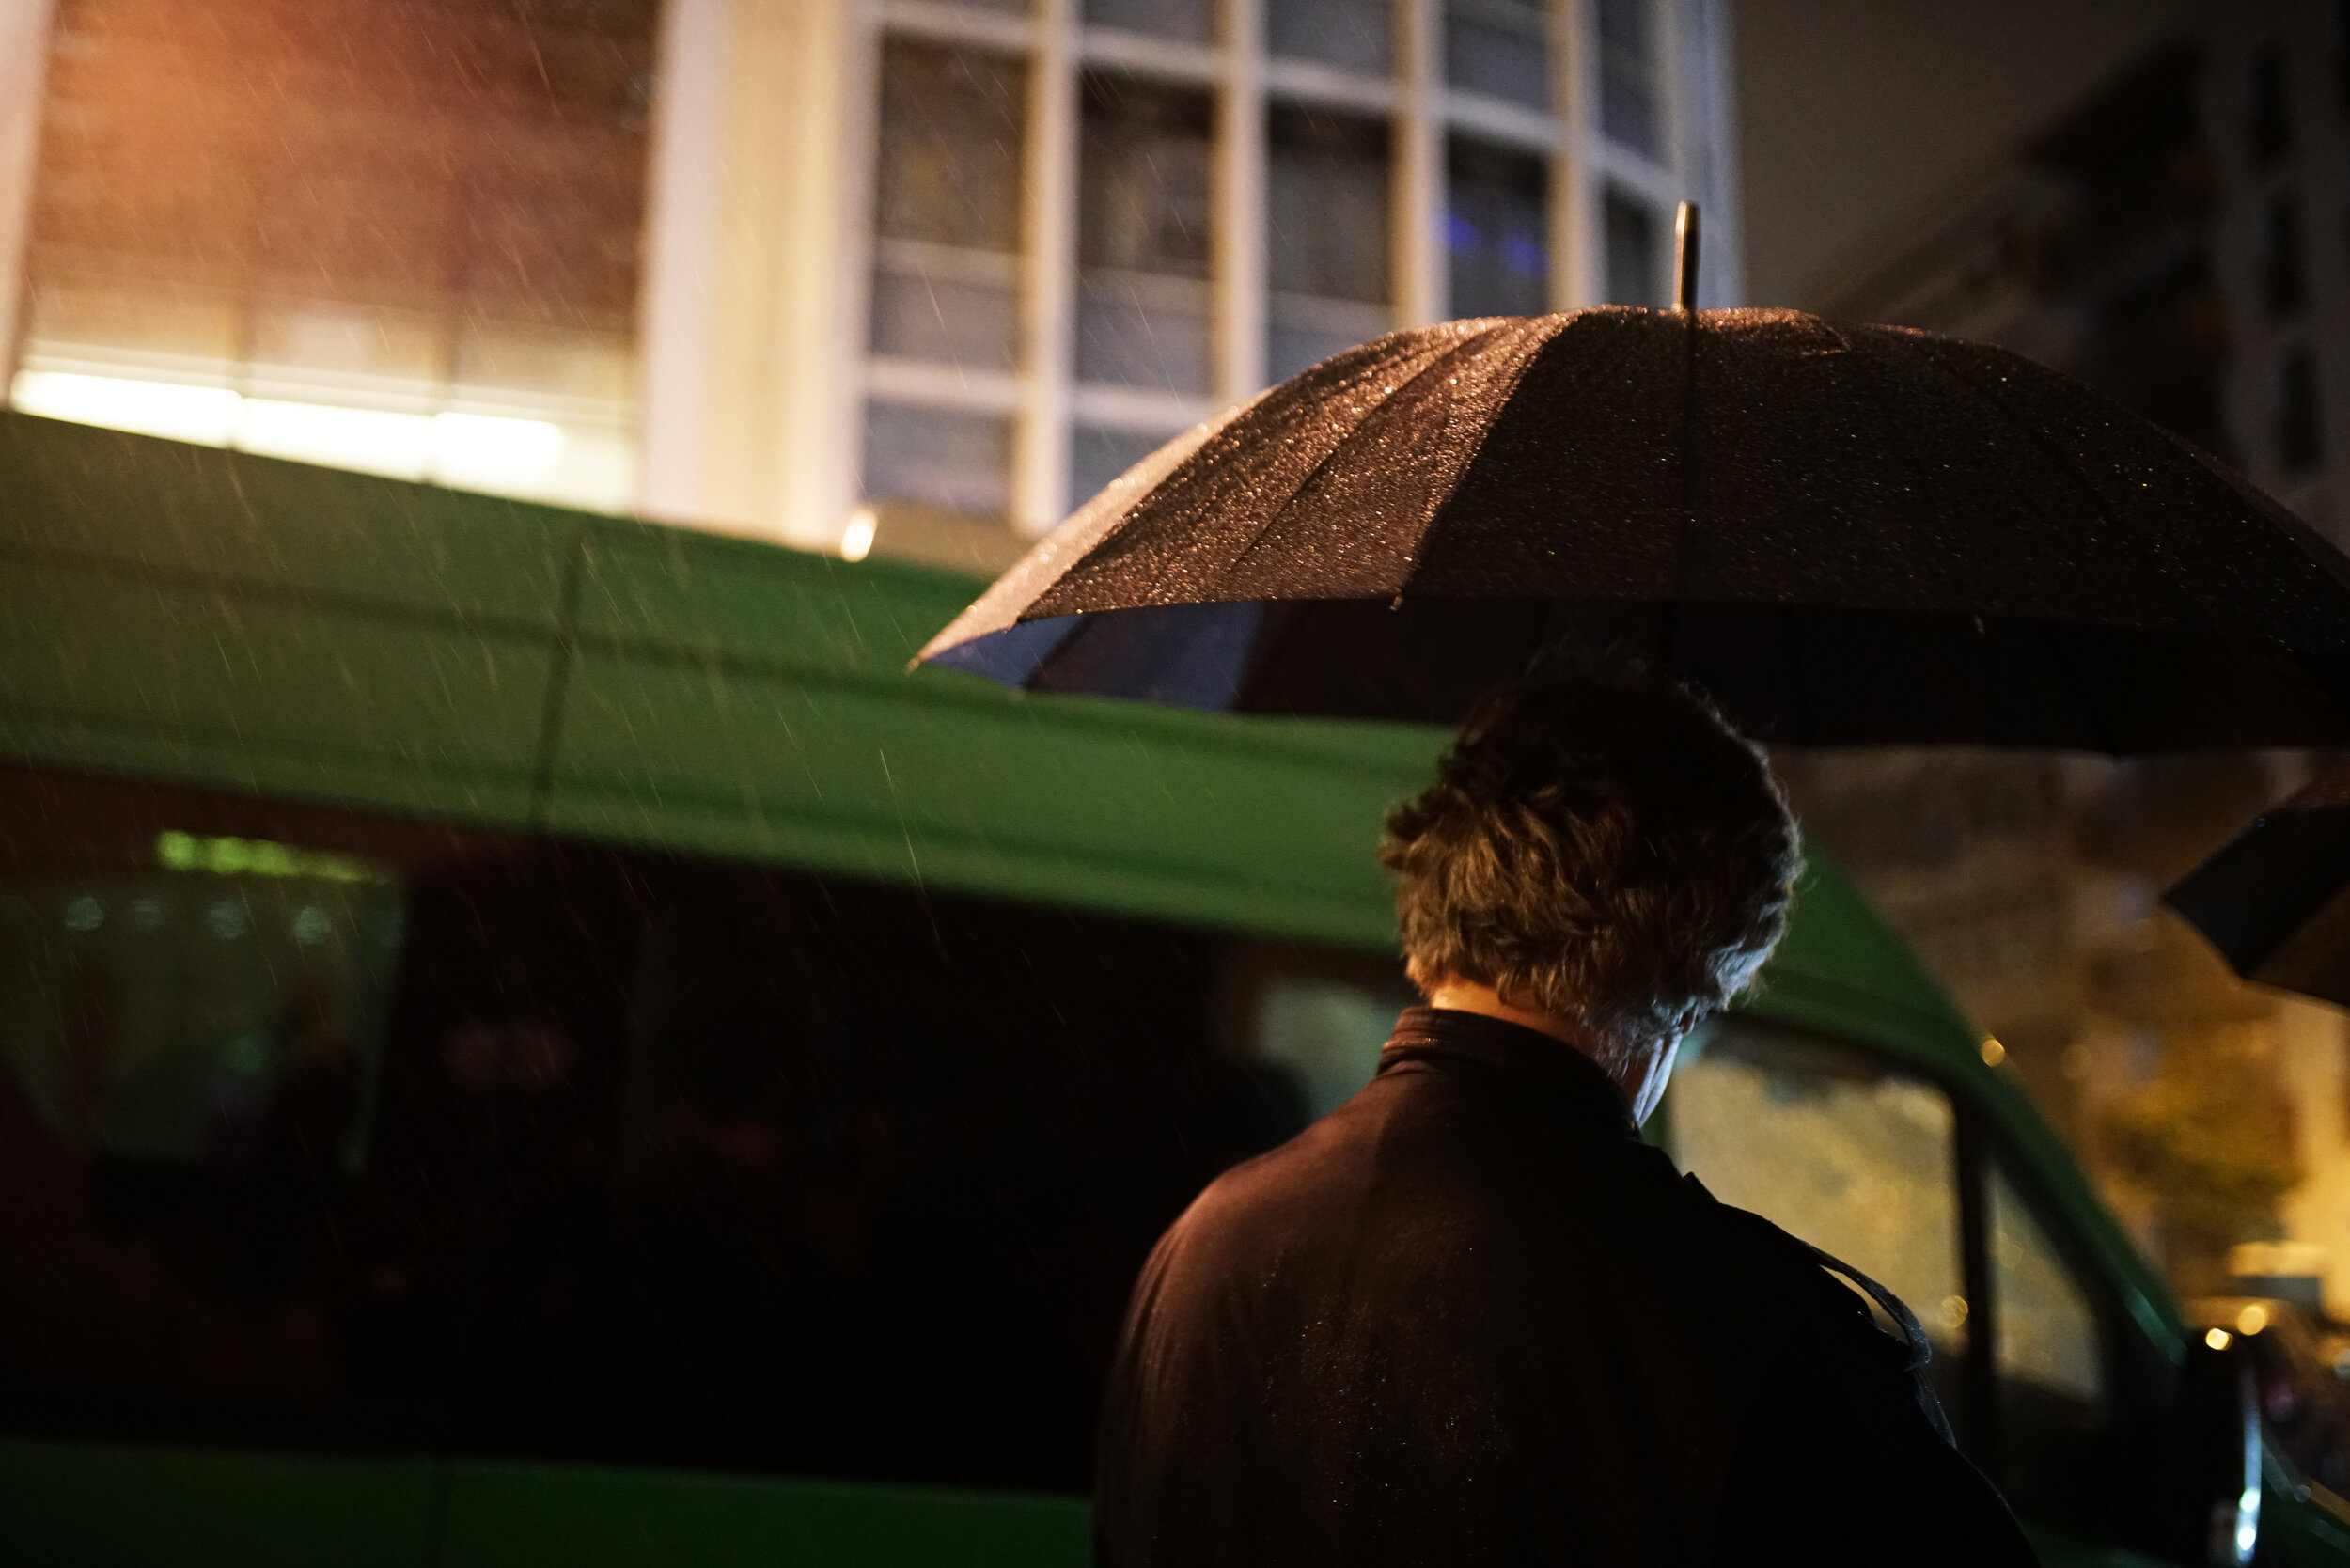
column 1328, row 191
column 1497, row 223
column 1836, row 1145
column 1142, row 226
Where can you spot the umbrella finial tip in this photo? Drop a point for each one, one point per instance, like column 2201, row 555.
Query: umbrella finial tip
column 1685, row 258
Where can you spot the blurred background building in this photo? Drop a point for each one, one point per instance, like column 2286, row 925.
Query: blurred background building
column 2178, row 234
column 906, row 276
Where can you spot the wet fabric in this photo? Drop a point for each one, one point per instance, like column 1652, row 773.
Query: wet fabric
column 1470, row 1318
column 1844, row 534
column 2275, row 900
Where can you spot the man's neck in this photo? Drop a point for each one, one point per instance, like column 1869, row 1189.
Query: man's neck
column 1462, row 995
column 1641, row 1075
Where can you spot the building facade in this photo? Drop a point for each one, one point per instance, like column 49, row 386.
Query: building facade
column 906, row 276
column 2180, row 239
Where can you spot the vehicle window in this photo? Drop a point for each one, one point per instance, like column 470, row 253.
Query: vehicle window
column 328, row 1131
column 1324, row 1033
column 1838, row 1147
column 2049, row 1359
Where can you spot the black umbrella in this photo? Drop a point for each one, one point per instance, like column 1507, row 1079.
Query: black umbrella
column 1842, row 534
column 2275, row 901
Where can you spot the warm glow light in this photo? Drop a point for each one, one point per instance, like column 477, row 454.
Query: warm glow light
column 2218, row 1338
column 856, row 537
column 1992, row 1052
column 476, row 451
column 480, row 450
column 2251, row 1320
column 200, row 414
column 365, row 439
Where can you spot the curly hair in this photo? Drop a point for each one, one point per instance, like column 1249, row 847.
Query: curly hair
column 1603, row 846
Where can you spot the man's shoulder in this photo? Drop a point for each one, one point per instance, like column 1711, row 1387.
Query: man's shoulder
column 1818, row 1300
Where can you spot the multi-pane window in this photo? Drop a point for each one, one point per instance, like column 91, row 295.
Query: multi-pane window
column 1500, row 48
column 394, row 236
column 1219, row 229
column 946, row 285
column 947, row 214
column 1327, row 189
column 1496, row 230
column 1142, row 226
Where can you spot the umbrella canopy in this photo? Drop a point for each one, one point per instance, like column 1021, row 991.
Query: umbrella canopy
column 1842, row 534
column 2275, row 901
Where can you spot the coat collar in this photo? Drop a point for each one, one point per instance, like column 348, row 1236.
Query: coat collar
column 1526, row 1063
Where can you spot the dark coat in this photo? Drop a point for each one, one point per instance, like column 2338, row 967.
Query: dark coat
column 1469, row 1318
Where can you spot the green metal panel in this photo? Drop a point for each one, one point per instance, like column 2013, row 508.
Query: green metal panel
column 256, row 690
column 166, row 511
column 506, row 1515
column 66, row 1505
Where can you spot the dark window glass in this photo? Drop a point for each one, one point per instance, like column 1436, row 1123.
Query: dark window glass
column 2341, row 44
column 944, row 459
column 2051, row 1365
column 1098, row 454
column 2270, row 104
column 1143, row 235
column 2300, row 445
column 1635, row 259
column 1500, row 48
column 1185, row 21
column 323, row 1131
column 1349, row 33
column 1630, row 107
column 1496, row 230
column 947, row 205
column 2281, row 279
column 1327, row 190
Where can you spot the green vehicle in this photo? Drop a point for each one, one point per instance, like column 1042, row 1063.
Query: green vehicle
column 529, row 1038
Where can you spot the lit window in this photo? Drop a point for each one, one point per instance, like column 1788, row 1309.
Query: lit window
column 1629, row 110
column 946, row 273
column 346, row 239
column 1351, row 34
column 1328, row 192
column 1500, row 48
column 1142, row 220
column 1495, row 219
